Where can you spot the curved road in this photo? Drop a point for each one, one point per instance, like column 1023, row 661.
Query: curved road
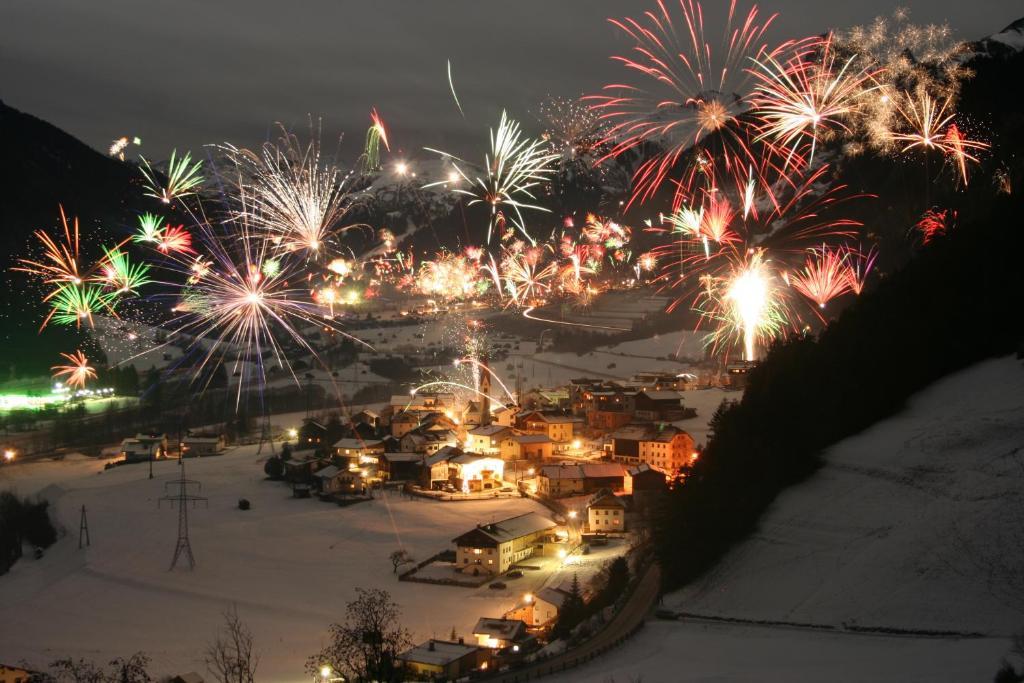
column 624, row 624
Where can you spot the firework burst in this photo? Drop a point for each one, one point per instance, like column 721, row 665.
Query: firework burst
column 151, row 228
column 182, row 178
column 691, row 94
column 77, row 372
column 289, row 192
column 812, row 92
column 513, row 170
column 175, row 239
column 121, row 274
column 825, row 276
column 746, row 304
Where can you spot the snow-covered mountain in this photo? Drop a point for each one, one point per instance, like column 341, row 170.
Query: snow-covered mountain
column 1007, row 42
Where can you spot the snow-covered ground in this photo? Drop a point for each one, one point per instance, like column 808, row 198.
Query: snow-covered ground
column 893, row 532
column 289, row 565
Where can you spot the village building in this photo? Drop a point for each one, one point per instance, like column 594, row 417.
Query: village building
column 499, row 633
column 486, row 439
column 606, row 513
column 329, row 479
column 664, row 447
column 503, row 416
column 577, row 390
column 422, row 402
column 428, row 441
column 201, row 445
column 556, row 426
column 144, row 447
column 557, row 481
column 526, row 447
column 643, row 479
column 311, row 435
column 654, row 405
column 403, row 423
column 368, row 417
column 493, row 548
column 665, row 381
column 540, row 609
column 547, row 399
column 401, row 466
column 359, row 451
column 443, row 660
column 300, row 470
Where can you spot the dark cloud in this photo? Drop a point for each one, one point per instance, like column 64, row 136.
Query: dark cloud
column 192, row 72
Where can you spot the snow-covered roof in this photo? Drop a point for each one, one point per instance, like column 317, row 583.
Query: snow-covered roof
column 551, row 419
column 505, row 629
column 437, row 652
column 552, row 596
column 402, row 457
column 487, row 430
column 594, row 470
column 514, row 527
column 606, row 501
column 356, row 444
column 663, row 395
column 329, row 472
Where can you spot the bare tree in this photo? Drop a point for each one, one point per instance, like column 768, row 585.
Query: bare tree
column 365, row 646
column 76, row 671
column 400, row 557
column 230, row 658
column 131, row 670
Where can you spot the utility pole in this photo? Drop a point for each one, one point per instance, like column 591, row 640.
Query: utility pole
column 266, row 435
column 83, row 530
column 183, row 547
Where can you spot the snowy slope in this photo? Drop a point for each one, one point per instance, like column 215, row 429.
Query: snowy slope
column 892, row 532
column 289, row 565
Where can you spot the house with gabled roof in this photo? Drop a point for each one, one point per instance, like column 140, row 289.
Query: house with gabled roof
column 493, row 548
column 497, row 633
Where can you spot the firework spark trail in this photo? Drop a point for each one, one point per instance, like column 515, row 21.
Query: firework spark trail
column 375, row 136
column 120, row 273
column 861, row 264
column 183, row 178
column 825, row 276
column 151, row 228
column 458, row 385
column 176, row 239
column 77, row 372
column 289, row 192
column 808, row 93
column 513, row 168
column 451, row 86
column 528, row 314
column 934, row 222
column 61, row 260
column 71, row 304
column 763, row 248
column 747, row 303
column 74, row 295
column 524, row 277
column 691, row 95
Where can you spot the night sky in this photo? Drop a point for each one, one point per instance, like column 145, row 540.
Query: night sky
column 192, row 72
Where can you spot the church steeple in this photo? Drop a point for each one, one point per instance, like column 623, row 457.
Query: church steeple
column 485, row 390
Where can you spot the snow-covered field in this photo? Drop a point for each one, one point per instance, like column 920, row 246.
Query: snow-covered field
column 289, row 565
column 893, row 532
